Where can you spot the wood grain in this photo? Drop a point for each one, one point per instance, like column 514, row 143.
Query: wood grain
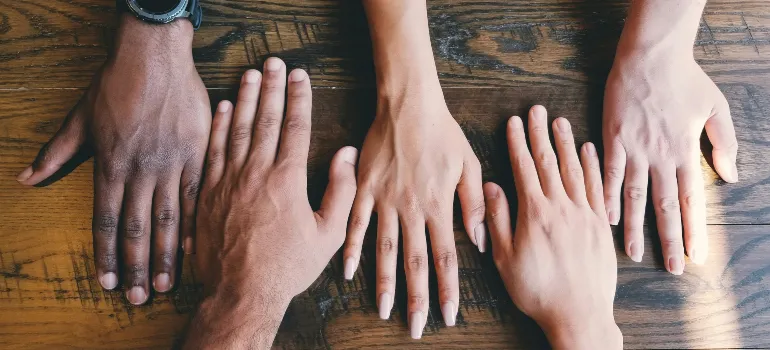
column 60, row 43
column 495, row 59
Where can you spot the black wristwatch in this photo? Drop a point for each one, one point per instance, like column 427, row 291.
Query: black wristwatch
column 163, row 11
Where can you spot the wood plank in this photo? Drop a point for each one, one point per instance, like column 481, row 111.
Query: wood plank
column 59, row 44
column 49, row 298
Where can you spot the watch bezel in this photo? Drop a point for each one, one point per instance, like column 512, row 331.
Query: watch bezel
column 177, row 12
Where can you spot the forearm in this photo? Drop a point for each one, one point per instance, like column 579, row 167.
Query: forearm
column 236, row 323
column 403, row 56
column 661, row 27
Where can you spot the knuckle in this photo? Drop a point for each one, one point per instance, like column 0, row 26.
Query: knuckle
column 240, row 133
column 358, row 223
column 692, row 199
column 535, row 211
column 546, row 159
column 524, row 164
column 135, row 228
column 669, row 205
column 112, row 169
column 614, row 173
column 269, row 119
column 386, row 245
column 411, row 203
column 446, row 259
column 478, row 208
column 216, row 156
column 107, row 261
column 192, row 189
column 635, row 193
column 137, row 272
column 296, row 125
column 165, row 260
column 417, row 263
column 417, row 301
column 385, row 280
column 106, row 225
column 574, row 170
column 166, row 217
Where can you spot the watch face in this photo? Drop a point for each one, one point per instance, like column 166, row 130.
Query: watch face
column 158, row 7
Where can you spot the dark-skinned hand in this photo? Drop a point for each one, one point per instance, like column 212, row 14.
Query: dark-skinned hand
column 145, row 120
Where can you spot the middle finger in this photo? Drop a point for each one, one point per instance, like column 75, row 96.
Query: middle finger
column 136, row 239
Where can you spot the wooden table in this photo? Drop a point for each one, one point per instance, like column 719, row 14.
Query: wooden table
column 495, row 59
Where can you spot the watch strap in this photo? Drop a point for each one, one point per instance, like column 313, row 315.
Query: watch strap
column 193, row 12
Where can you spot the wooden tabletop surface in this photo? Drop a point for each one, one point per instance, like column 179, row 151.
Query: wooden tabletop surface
column 495, row 59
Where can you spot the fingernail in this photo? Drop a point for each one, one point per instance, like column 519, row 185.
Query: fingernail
column 481, row 237
column 449, row 312
column 350, row 268
column 25, row 174
column 634, row 252
column 415, row 325
column 538, row 112
column 297, row 75
column 350, row 155
column 162, row 282
column 188, row 245
column 590, row 149
column 613, row 217
column 386, row 304
column 251, row 76
column 563, row 125
column 675, row 265
column 136, row 295
column 697, row 257
column 224, row 107
column 109, row 281
column 515, row 123
column 734, row 174
column 273, row 64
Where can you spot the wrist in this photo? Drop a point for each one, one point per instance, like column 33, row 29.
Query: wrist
column 235, row 320
column 139, row 40
column 586, row 333
column 657, row 29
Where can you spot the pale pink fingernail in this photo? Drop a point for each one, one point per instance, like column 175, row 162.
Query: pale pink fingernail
column 350, row 268
column 25, row 174
column 386, row 304
column 480, row 233
column 162, row 282
column 415, row 325
column 297, row 75
column 634, row 252
column 449, row 313
column 350, row 155
column 109, row 280
column 613, row 217
column 676, row 265
column 188, row 245
column 136, row 295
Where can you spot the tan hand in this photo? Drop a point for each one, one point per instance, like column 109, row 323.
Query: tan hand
column 259, row 242
column 654, row 113
column 559, row 267
column 414, row 158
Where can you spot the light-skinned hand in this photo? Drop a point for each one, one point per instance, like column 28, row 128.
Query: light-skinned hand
column 559, row 266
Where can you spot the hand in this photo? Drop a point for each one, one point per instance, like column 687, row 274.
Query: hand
column 559, row 267
column 146, row 119
column 657, row 101
column 259, row 242
column 412, row 160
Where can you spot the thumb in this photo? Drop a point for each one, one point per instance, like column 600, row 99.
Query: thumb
column 58, row 151
column 338, row 199
column 721, row 133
